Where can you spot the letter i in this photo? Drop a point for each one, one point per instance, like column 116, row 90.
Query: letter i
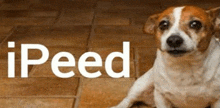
column 11, row 61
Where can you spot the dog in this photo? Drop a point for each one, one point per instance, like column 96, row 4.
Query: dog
column 186, row 72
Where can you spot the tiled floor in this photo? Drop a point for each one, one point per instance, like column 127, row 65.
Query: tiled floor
column 76, row 26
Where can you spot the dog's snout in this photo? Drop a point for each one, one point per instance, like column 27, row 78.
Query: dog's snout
column 175, row 41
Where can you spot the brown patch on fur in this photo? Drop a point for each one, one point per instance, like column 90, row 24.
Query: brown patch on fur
column 215, row 17
column 150, row 25
column 186, row 30
column 157, row 39
column 204, row 35
column 168, row 14
column 204, row 43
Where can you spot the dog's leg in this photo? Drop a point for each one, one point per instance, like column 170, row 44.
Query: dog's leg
column 216, row 104
column 160, row 101
column 145, row 82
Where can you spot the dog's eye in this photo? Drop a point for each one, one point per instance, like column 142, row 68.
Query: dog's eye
column 195, row 25
column 164, row 25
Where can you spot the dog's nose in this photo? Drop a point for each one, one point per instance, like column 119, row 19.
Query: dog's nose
column 175, row 41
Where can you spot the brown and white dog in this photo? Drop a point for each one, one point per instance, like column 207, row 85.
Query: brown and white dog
column 186, row 72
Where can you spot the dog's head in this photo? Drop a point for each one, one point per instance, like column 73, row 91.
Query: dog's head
column 179, row 30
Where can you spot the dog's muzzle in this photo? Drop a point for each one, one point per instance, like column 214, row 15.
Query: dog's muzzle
column 175, row 42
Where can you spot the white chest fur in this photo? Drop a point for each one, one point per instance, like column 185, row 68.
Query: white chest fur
column 190, row 82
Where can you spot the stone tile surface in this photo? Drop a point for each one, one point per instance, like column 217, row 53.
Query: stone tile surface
column 14, row 6
column 107, row 92
column 116, row 35
column 5, row 29
column 26, row 21
column 76, row 26
column 74, row 36
column 47, row 87
column 27, row 13
column 112, row 21
column 146, row 58
column 36, row 102
column 135, row 41
column 72, row 17
column 2, row 38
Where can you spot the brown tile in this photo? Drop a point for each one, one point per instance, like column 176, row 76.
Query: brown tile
column 44, row 7
column 139, row 21
column 119, row 30
column 46, row 87
column 68, row 4
column 113, row 36
column 101, row 41
column 50, row 1
column 203, row 4
column 27, row 21
column 104, row 5
column 43, row 13
column 72, row 17
column 103, row 92
column 79, row 5
column 5, row 29
column 37, row 102
column 169, row 3
column 90, row 1
column 139, row 1
column 4, row 68
column 44, row 70
column 114, row 13
column 17, row 1
column 2, row 38
column 74, row 21
column 121, row 4
column 14, row 6
column 112, row 21
column 27, row 13
column 47, row 5
column 146, row 58
column 104, row 52
column 13, row 13
column 74, row 36
column 129, row 12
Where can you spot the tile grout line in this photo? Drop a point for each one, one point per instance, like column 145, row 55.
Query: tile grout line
column 79, row 92
column 12, row 31
column 92, row 32
column 58, row 16
column 136, row 62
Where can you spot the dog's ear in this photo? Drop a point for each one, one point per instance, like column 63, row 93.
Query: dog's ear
column 215, row 17
column 150, row 25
